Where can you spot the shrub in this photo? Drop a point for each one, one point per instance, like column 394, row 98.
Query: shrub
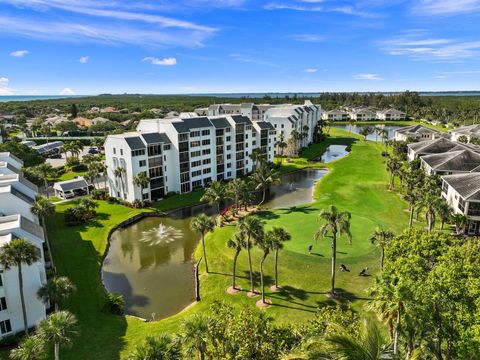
column 115, row 304
column 98, row 194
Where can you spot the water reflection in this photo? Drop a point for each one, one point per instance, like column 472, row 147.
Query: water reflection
column 150, row 262
column 372, row 137
column 332, row 153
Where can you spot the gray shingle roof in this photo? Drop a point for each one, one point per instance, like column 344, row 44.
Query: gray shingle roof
column 155, row 138
column 74, row 184
column 460, row 161
column 220, row 123
column 135, row 143
column 240, row 119
column 433, row 146
column 188, row 124
column 265, row 125
column 467, row 185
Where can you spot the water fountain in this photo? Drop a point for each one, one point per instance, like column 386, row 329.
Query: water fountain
column 161, row 235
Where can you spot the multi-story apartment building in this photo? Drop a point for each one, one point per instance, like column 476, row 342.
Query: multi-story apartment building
column 391, row 115
column 178, row 155
column 362, row 114
column 301, row 118
column 335, row 115
column 254, row 112
column 17, row 221
column 462, row 193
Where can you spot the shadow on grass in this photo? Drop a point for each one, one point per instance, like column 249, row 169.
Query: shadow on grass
column 267, row 215
column 298, row 209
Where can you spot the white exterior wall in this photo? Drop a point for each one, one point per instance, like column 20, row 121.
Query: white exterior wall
column 15, row 162
column 12, row 205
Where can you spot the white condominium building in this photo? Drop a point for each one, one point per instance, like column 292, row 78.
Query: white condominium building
column 302, row 118
column 17, row 221
column 254, row 112
column 335, row 115
column 181, row 154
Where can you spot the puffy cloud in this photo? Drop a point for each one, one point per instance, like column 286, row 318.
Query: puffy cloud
column 19, row 53
column 311, row 70
column 83, row 59
column 4, row 89
column 67, row 91
column 170, row 61
column 367, row 76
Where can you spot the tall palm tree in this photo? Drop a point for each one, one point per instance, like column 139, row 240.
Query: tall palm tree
column 58, row 329
column 281, row 146
column 238, row 243
column 295, row 136
column 338, row 223
column 203, row 224
column 119, row 172
column 264, row 177
column 389, row 305
column 234, row 189
column 142, row 181
column 265, row 243
column 460, row 221
column 369, row 344
column 381, row 238
column 158, row 347
column 393, row 165
column 90, row 177
column 430, row 203
column 44, row 208
column 257, row 157
column 195, row 335
column 278, row 236
column 45, row 171
column 251, row 228
column 56, row 290
column 31, row 348
column 444, row 212
column 214, row 194
column 19, row 252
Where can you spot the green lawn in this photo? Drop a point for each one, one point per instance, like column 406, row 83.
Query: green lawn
column 357, row 183
column 69, row 175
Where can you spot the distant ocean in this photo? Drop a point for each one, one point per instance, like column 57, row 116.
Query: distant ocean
column 225, row 95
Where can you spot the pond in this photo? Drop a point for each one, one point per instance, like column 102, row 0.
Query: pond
column 150, row 262
column 332, row 153
column 372, row 137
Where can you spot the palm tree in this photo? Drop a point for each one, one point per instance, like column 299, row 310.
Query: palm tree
column 45, row 171
column 460, row 221
column 264, row 177
column 58, row 328
column 393, row 165
column 119, row 172
column 141, row 180
column 43, row 208
column 75, row 148
column 203, row 224
column 278, row 236
column 158, row 347
column 90, row 177
column 369, row 344
column 214, row 194
column 338, row 223
column 19, row 252
column 295, row 136
column 251, row 228
column 257, row 157
column 31, row 348
column 444, row 212
column 430, row 203
column 265, row 243
column 234, row 189
column 237, row 243
column 281, row 146
column 381, row 238
column 56, row 290
column 195, row 335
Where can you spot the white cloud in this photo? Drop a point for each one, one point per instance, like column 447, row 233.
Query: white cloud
column 370, row 77
column 313, row 6
column 446, row 7
column 311, row 70
column 4, row 89
column 67, row 91
column 431, row 49
column 308, row 37
column 19, row 53
column 171, row 61
column 247, row 59
column 112, row 34
column 84, row 59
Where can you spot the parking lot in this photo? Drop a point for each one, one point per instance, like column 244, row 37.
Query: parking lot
column 62, row 161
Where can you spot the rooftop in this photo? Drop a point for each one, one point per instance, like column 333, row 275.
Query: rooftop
column 467, row 185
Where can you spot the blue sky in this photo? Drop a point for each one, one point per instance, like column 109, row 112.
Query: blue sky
column 200, row 46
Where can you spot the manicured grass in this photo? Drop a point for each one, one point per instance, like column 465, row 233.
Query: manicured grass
column 69, row 175
column 357, row 183
column 179, row 201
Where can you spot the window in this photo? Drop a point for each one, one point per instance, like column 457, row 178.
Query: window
column 138, row 152
column 196, row 173
column 182, row 137
column 194, row 134
column 206, row 161
column 229, row 165
column 205, row 132
column 228, row 138
column 166, row 147
column 248, row 127
column 206, row 142
column 156, row 172
column 206, row 152
column 195, row 144
column 283, row 126
column 195, row 154
column 196, row 163
column 227, row 130
column 229, row 156
column 5, row 326
column 207, row 171
column 3, row 303
column 461, row 205
column 142, row 163
column 114, row 150
column 1, row 277
column 229, row 147
column 197, row 183
column 229, row 174
column 121, row 151
column 184, row 177
column 154, row 150
column 254, row 142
